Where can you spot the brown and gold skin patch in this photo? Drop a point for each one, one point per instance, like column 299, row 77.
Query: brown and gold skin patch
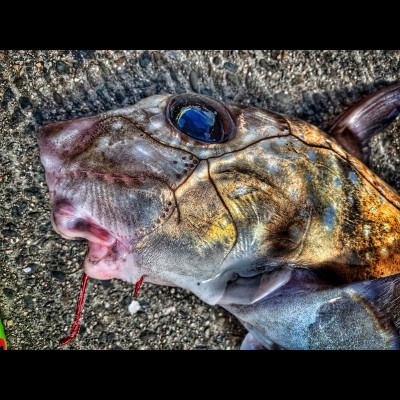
column 366, row 243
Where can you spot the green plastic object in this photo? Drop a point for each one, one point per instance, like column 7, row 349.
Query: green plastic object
column 3, row 343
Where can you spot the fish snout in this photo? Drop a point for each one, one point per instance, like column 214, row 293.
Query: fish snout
column 62, row 140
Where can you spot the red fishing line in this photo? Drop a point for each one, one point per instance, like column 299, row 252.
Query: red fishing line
column 137, row 287
column 75, row 326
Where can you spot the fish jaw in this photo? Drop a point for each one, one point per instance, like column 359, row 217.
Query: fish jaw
column 118, row 262
column 107, row 256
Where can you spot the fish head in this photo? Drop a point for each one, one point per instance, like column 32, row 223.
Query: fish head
column 170, row 188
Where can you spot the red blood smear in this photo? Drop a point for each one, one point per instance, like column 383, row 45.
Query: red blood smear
column 78, row 312
column 137, row 287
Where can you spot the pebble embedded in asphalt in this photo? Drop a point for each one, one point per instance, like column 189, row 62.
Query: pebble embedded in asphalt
column 134, row 307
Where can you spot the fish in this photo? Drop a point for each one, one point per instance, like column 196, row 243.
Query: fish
column 264, row 214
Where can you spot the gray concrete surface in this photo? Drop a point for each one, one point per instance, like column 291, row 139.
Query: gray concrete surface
column 40, row 272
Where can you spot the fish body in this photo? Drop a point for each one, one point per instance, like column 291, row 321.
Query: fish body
column 263, row 214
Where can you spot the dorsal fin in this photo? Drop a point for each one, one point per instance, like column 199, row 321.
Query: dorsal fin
column 355, row 127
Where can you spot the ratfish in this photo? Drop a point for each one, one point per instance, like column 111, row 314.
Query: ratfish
column 281, row 224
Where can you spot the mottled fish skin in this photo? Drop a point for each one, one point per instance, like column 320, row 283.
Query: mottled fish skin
column 279, row 225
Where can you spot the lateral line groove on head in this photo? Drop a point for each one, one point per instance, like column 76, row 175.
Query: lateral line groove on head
column 226, row 208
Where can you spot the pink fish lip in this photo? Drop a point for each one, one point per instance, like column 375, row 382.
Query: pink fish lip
column 71, row 224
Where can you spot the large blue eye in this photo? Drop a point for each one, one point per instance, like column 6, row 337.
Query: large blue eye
column 201, row 118
column 199, row 123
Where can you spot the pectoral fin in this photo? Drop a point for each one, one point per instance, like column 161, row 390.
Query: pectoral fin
column 249, row 290
column 308, row 312
column 355, row 127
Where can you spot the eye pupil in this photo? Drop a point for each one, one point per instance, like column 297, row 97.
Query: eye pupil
column 198, row 122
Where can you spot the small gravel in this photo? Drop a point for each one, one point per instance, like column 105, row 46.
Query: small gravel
column 40, row 272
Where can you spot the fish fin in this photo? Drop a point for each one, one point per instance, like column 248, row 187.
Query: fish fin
column 354, row 128
column 251, row 343
column 249, row 290
column 310, row 313
column 362, row 315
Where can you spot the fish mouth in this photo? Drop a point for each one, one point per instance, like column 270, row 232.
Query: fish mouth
column 108, row 256
column 72, row 225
